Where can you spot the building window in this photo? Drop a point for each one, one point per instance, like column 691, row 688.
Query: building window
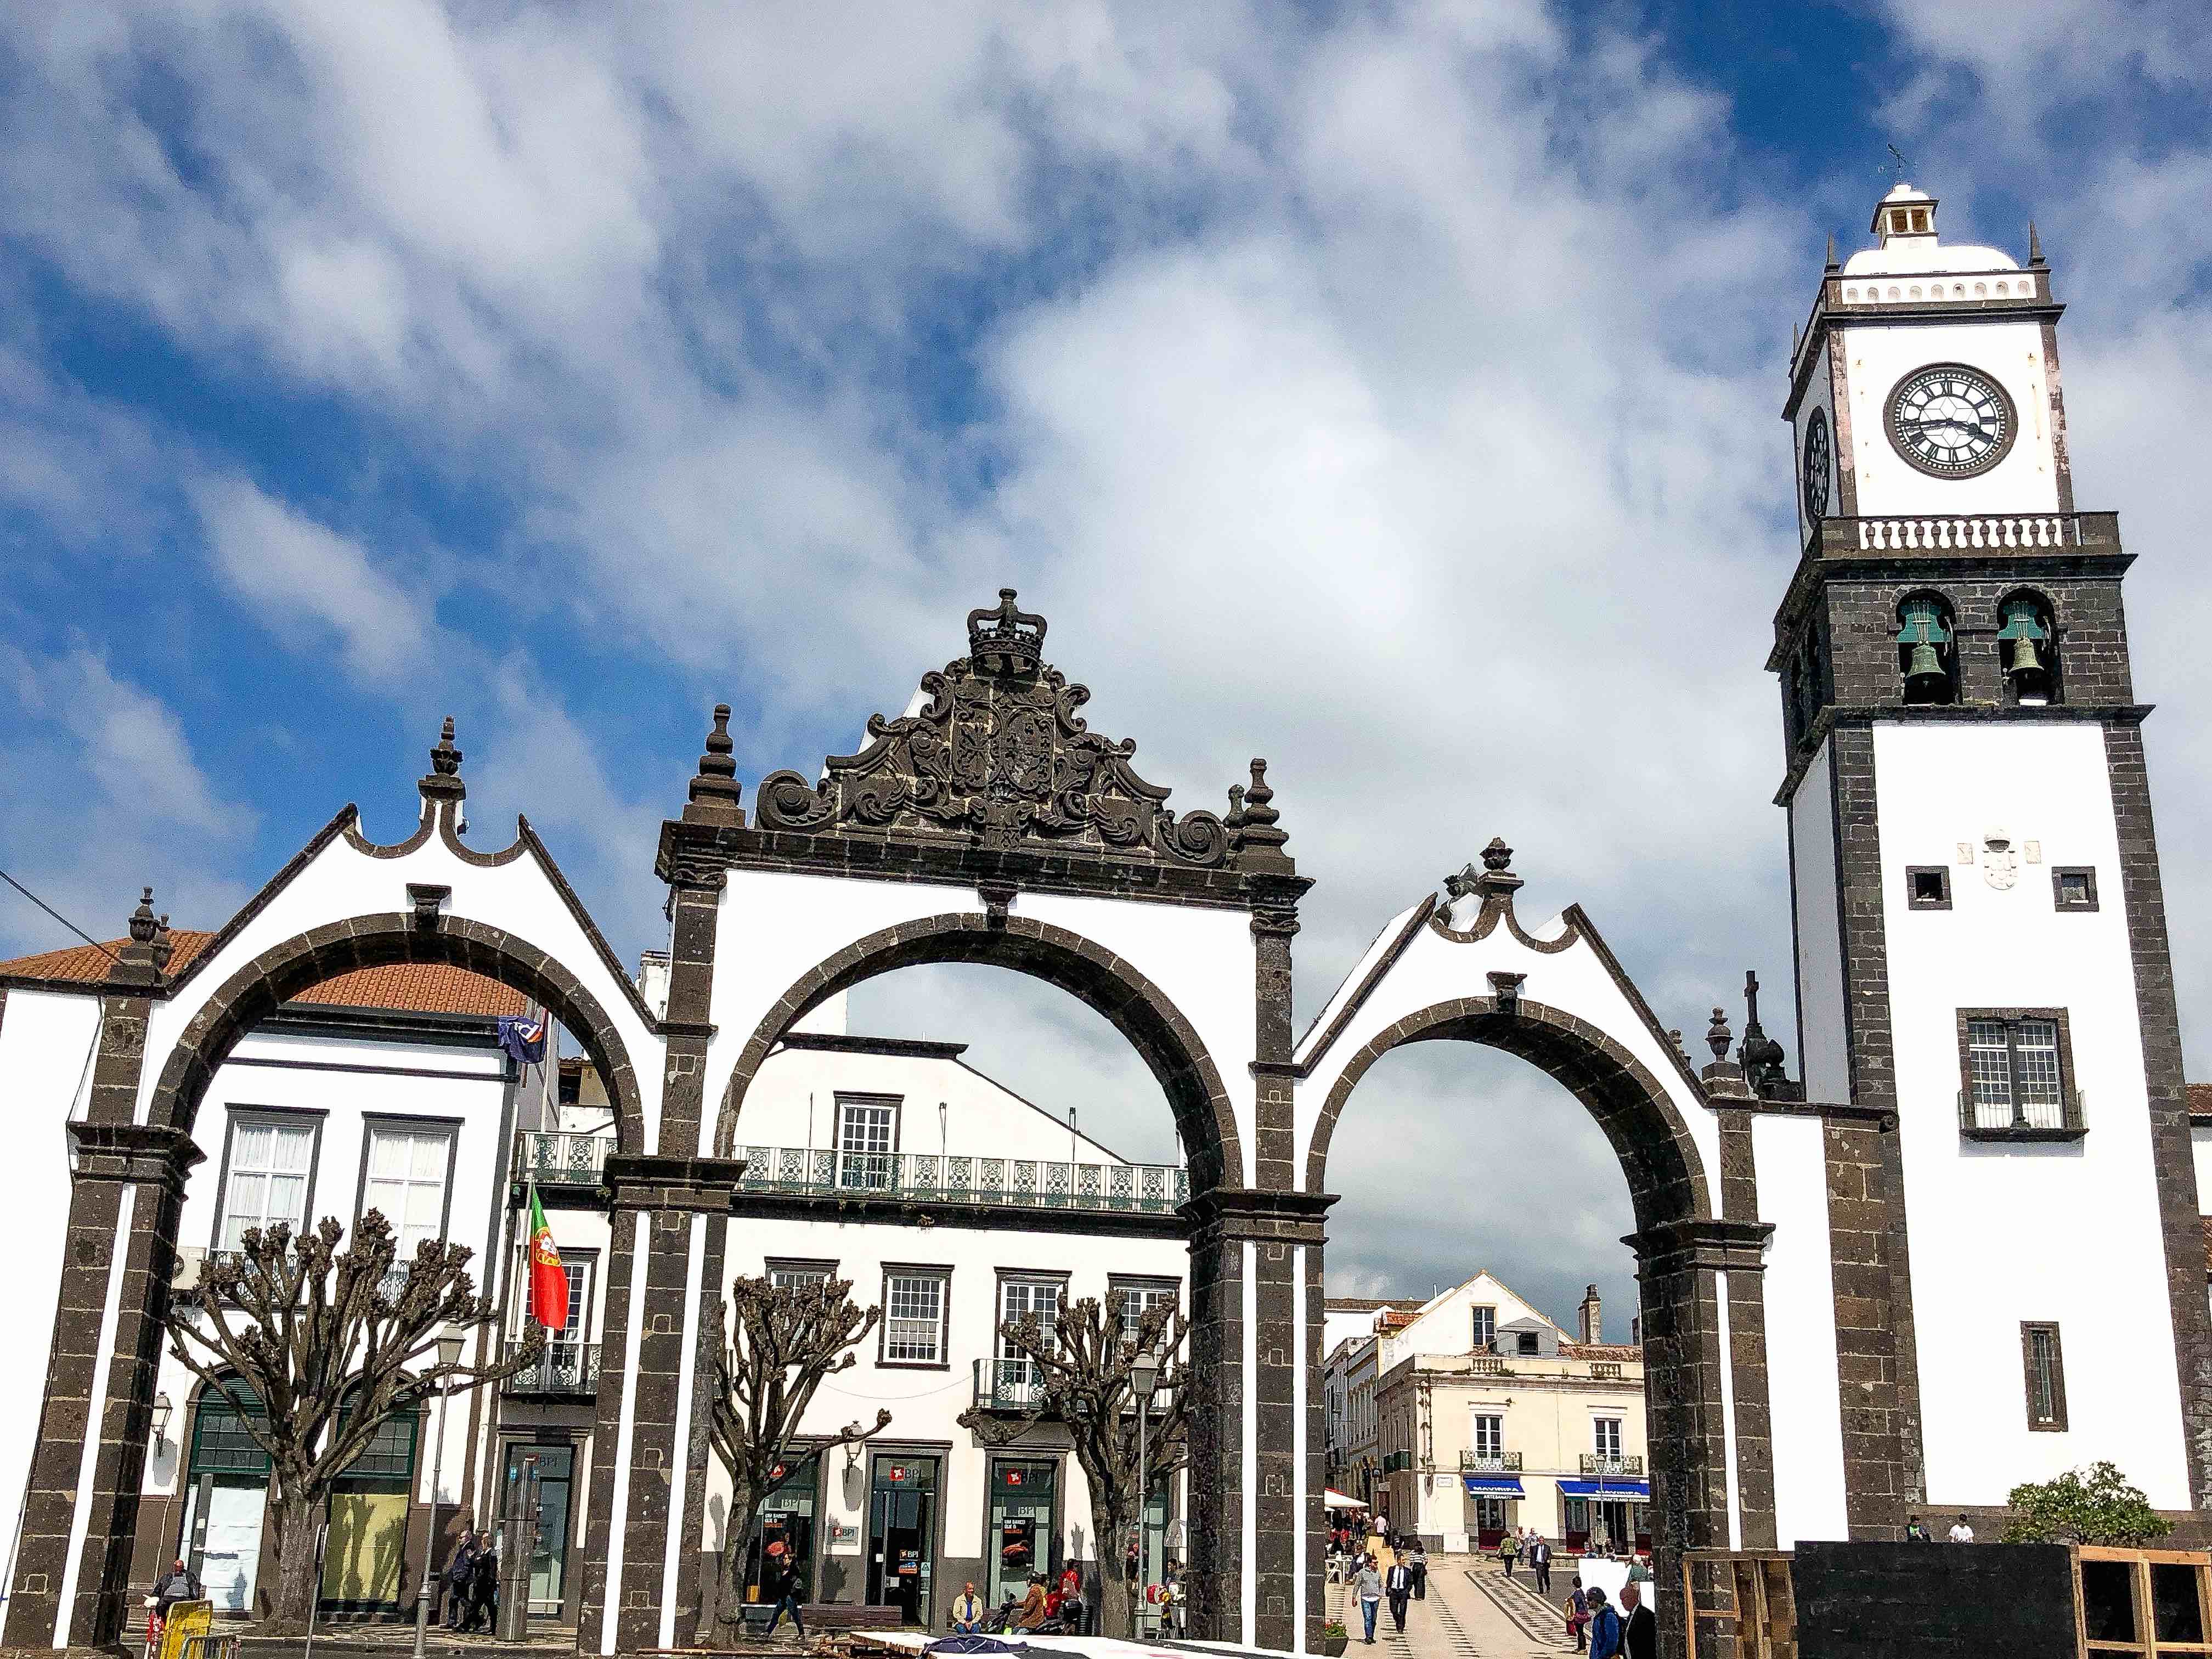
column 2074, row 887
column 1525, row 1343
column 914, row 1308
column 271, row 1164
column 1928, row 887
column 2046, row 1376
column 1488, row 1434
column 1605, row 1436
column 2015, row 1066
column 867, row 1144
column 1139, row 1297
column 783, row 1274
column 404, row 1175
column 1485, row 1328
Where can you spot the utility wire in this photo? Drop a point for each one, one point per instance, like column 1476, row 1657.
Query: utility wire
column 60, row 917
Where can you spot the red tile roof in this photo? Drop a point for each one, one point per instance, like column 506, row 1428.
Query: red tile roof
column 416, row 988
column 2200, row 1099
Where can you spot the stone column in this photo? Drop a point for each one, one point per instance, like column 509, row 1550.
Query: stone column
column 127, row 1183
column 1678, row 1265
column 665, row 1207
column 1734, row 1103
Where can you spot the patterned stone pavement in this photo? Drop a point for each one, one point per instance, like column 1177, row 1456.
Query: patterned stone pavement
column 1471, row 1613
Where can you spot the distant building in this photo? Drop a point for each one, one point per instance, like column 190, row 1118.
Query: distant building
column 1492, row 1419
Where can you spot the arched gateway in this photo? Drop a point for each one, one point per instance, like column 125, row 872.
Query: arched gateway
column 987, row 825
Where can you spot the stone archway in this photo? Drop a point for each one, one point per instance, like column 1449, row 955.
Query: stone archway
column 1699, row 1275
column 282, row 971
column 1137, row 1009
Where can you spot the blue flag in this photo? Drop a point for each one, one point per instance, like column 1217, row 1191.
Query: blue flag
column 524, row 1038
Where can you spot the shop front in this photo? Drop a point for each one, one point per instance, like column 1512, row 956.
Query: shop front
column 1490, row 1501
column 782, row 1549
column 366, row 1546
column 1605, row 1515
column 226, row 1500
column 903, row 1497
column 1023, row 1524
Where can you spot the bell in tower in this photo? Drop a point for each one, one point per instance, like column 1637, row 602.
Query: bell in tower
column 1923, row 651
column 2025, row 638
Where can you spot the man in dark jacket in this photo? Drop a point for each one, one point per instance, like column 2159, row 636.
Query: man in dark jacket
column 483, row 1587
column 176, row 1585
column 1398, row 1584
column 460, row 1570
column 1639, row 1630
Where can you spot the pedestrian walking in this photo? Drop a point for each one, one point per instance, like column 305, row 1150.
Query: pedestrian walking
column 1539, row 1563
column 460, row 1570
column 1398, row 1585
column 483, row 1585
column 1605, row 1627
column 794, row 1595
column 1508, row 1551
column 1578, row 1613
column 1419, row 1562
column 1368, row 1587
column 1639, row 1630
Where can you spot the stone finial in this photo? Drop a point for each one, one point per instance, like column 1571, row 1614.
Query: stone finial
column 144, row 924
column 1235, row 819
column 164, row 946
column 1719, row 1036
column 445, row 759
column 1674, row 1037
column 1760, row 1055
column 1832, row 265
column 715, row 793
column 1497, row 857
column 1260, row 827
column 2035, row 246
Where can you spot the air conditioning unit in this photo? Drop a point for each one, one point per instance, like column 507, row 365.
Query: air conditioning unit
column 191, row 1258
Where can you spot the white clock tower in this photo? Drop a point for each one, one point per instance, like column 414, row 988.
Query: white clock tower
column 1984, row 990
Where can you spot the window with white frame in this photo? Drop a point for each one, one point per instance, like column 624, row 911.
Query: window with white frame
column 407, row 1170
column 784, row 1275
column 1485, row 1328
column 1605, row 1435
column 270, row 1161
column 2013, row 1073
column 1019, row 1298
column 1487, row 1432
column 1138, row 1298
column 867, row 1144
column 914, row 1317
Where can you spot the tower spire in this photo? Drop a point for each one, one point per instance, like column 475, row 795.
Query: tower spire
column 2034, row 245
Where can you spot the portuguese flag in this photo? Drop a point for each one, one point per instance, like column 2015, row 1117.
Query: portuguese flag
column 549, row 1286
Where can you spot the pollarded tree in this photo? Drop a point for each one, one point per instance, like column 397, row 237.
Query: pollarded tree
column 317, row 1348
column 1082, row 1366
column 774, row 1344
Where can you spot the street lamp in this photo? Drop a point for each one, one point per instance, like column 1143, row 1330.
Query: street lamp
column 1144, row 1378
column 449, row 1355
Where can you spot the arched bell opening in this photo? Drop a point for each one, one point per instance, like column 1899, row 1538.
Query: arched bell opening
column 2028, row 649
column 1927, row 651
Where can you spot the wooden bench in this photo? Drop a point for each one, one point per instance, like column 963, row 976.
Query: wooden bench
column 823, row 1615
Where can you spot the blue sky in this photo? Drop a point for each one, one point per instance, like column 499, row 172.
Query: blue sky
column 1389, row 390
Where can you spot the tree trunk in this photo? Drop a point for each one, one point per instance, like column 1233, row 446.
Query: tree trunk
column 1116, row 1611
column 297, row 1581
column 729, row 1572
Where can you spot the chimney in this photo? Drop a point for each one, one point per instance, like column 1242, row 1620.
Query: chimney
column 1590, row 1316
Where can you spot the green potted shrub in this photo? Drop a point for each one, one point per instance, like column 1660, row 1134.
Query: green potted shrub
column 1335, row 1638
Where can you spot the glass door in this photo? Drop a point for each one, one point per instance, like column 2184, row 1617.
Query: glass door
column 902, row 1535
column 1022, row 1499
column 783, row 1545
column 549, row 1560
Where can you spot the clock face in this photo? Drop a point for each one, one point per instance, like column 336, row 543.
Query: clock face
column 1949, row 420
column 1815, row 470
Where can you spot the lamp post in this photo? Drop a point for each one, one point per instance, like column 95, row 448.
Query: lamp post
column 161, row 1418
column 449, row 1355
column 1144, row 1378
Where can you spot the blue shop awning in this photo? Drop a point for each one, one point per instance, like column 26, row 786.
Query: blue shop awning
column 1494, row 1486
column 1638, row 1491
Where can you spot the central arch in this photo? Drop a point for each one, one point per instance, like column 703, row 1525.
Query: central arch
column 1137, row 1008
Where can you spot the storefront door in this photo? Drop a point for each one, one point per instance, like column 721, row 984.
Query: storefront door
column 228, row 1472
column 783, row 1538
column 1489, row 1521
column 549, row 1561
column 1023, row 1497
column 361, row 1561
column 902, row 1535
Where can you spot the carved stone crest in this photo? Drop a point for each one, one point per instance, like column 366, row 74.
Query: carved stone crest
column 2000, row 860
column 997, row 754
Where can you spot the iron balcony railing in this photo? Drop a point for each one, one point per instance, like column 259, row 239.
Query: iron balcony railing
column 1030, row 1183
column 1005, row 1385
column 1501, row 1462
column 561, row 1158
column 1594, row 1464
column 562, row 1368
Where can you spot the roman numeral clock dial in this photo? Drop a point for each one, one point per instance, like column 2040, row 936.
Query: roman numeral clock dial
column 1949, row 420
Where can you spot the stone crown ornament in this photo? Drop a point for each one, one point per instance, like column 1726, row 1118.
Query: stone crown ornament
column 997, row 756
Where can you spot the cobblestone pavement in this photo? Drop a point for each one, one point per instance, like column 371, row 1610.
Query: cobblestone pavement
column 1471, row 1613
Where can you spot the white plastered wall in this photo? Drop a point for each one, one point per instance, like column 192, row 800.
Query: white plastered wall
column 1999, row 1232
column 1821, row 1040
column 1804, row 1397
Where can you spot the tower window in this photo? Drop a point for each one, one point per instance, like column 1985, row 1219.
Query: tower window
column 2046, row 1366
column 2017, row 1067
column 1926, row 661
column 1928, row 887
column 2072, row 887
column 2027, row 643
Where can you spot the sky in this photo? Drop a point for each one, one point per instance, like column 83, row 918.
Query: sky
column 1392, row 390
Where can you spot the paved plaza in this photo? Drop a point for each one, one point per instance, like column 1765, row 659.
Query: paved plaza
column 1472, row 1612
